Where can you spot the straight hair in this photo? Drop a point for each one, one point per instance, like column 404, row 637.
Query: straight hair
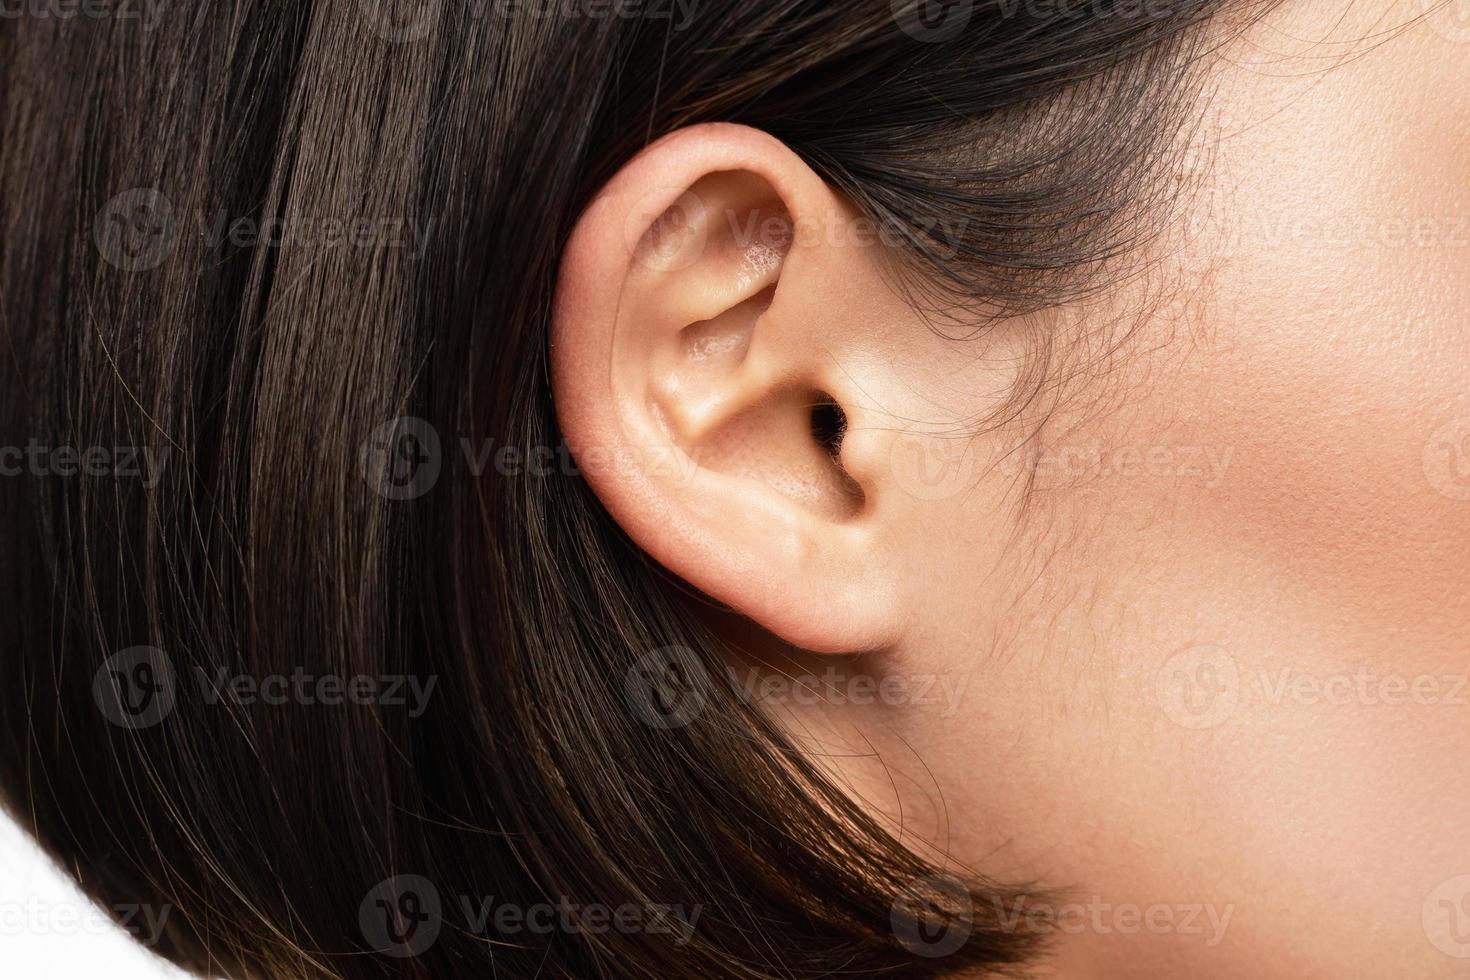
column 285, row 257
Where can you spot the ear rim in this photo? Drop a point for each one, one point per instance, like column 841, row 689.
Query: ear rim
column 857, row 609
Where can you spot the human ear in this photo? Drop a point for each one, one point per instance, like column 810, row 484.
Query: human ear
column 704, row 316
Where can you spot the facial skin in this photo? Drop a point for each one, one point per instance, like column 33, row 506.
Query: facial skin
column 1187, row 635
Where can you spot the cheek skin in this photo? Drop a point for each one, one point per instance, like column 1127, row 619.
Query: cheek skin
column 1332, row 351
column 1326, row 344
column 1342, row 303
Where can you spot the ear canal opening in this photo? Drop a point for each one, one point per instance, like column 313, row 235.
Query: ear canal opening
column 829, row 425
column 790, row 441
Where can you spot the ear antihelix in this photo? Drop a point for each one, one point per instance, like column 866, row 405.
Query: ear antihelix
column 721, row 343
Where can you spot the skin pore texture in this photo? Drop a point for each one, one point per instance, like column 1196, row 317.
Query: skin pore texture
column 1182, row 634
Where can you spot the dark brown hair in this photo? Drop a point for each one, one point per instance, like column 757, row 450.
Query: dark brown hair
column 263, row 250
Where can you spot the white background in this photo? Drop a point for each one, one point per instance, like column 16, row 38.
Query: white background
column 49, row 931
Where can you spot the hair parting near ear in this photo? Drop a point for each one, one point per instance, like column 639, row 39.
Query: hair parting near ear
column 1016, row 159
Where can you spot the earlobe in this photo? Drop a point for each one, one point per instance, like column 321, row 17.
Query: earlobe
column 693, row 343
